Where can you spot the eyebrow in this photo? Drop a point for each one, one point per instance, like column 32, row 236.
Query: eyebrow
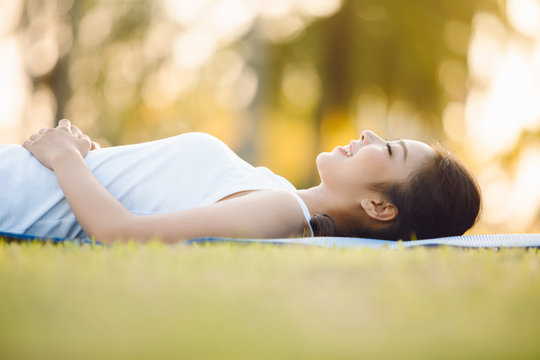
column 405, row 150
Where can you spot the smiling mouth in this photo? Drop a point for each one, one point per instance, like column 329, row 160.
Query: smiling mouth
column 348, row 150
column 345, row 150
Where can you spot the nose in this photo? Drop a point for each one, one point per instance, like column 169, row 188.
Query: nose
column 369, row 136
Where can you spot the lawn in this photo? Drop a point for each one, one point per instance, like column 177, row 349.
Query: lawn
column 222, row 301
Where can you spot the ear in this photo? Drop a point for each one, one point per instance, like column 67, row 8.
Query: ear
column 379, row 209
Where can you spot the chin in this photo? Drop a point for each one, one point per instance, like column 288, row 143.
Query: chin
column 324, row 163
column 322, row 158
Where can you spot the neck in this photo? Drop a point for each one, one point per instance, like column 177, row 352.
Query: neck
column 342, row 208
column 320, row 200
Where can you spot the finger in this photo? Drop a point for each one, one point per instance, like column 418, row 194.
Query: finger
column 27, row 144
column 84, row 145
column 65, row 123
column 95, row 146
column 34, row 137
column 86, row 139
column 76, row 131
column 42, row 130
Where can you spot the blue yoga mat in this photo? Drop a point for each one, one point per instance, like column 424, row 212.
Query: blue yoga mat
column 21, row 238
column 466, row 241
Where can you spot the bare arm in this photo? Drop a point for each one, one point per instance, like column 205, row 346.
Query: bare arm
column 98, row 212
column 259, row 214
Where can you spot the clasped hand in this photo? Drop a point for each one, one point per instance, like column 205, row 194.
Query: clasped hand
column 51, row 144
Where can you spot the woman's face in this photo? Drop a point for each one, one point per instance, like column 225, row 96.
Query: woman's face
column 371, row 160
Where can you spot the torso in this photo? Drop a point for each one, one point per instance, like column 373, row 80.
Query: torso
column 167, row 175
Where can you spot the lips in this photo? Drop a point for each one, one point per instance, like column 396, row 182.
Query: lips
column 342, row 150
column 347, row 150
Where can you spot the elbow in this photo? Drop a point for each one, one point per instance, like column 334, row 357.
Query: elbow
column 111, row 231
column 104, row 235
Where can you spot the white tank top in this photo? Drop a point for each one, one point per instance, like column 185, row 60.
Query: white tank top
column 177, row 173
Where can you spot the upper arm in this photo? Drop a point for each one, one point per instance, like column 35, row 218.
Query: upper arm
column 261, row 214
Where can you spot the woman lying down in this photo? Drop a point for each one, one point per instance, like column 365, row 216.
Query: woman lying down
column 61, row 184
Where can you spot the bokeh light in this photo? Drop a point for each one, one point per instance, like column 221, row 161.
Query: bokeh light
column 301, row 85
column 525, row 16
column 503, row 109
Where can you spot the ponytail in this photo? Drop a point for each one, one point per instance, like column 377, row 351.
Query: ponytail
column 323, row 225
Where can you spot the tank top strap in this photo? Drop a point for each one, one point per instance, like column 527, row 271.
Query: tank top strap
column 305, row 210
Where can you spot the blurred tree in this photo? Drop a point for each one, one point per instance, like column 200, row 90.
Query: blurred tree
column 383, row 64
column 389, row 49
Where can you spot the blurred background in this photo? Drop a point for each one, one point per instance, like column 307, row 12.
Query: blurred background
column 282, row 80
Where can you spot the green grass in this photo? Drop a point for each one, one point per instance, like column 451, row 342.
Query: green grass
column 266, row 302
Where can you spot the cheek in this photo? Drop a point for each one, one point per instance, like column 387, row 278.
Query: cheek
column 377, row 166
column 373, row 166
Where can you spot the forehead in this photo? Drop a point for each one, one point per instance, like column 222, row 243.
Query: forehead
column 417, row 152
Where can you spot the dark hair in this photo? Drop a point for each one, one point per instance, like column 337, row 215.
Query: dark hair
column 440, row 198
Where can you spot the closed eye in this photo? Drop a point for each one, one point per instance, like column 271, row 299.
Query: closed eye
column 389, row 149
